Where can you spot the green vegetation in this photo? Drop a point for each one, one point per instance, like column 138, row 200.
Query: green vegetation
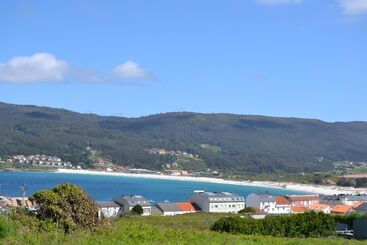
column 68, row 206
column 308, row 224
column 21, row 228
column 137, row 210
column 233, row 144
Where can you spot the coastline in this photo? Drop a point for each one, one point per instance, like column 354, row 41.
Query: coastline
column 312, row 189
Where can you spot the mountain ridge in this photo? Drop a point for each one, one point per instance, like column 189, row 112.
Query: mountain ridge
column 247, row 143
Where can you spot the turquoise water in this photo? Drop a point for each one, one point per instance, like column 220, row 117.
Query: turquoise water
column 103, row 188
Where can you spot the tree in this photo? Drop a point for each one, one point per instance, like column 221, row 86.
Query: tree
column 137, row 210
column 67, row 205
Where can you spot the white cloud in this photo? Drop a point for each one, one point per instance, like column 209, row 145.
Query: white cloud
column 39, row 67
column 131, row 70
column 278, row 2
column 354, row 7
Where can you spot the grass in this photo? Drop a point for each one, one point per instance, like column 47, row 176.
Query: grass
column 181, row 229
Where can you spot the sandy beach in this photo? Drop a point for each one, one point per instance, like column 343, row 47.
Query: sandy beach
column 314, row 189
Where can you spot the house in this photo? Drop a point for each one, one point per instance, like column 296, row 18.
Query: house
column 188, row 207
column 320, row 208
column 128, row 202
column 342, row 209
column 298, row 209
column 218, row 202
column 303, row 201
column 362, row 209
column 282, row 205
column 108, row 209
column 169, row 209
column 264, row 202
column 342, row 199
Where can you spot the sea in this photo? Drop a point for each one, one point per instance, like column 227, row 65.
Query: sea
column 104, row 188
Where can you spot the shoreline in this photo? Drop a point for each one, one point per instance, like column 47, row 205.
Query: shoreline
column 312, row 189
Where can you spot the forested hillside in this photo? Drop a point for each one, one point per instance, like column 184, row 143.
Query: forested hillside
column 231, row 143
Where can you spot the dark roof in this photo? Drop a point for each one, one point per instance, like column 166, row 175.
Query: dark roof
column 107, row 204
column 156, row 211
column 169, row 207
column 221, row 196
column 362, row 207
column 131, row 200
column 264, row 197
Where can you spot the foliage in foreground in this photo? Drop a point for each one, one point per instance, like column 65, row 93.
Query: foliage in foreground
column 298, row 225
column 182, row 229
column 67, row 205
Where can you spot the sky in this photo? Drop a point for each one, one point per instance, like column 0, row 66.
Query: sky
column 289, row 58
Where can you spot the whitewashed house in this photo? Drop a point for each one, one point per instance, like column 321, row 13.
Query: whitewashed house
column 282, row 205
column 218, row 202
column 264, row 202
column 108, row 209
column 128, row 202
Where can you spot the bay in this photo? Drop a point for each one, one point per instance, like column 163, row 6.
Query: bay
column 103, row 188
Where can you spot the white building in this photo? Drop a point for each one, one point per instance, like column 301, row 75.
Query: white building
column 108, row 209
column 128, row 202
column 282, row 205
column 264, row 202
column 218, row 202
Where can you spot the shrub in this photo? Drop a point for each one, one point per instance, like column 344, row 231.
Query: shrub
column 67, row 205
column 137, row 210
column 309, row 224
column 248, row 210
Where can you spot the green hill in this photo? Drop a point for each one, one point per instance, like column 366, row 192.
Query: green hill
column 227, row 142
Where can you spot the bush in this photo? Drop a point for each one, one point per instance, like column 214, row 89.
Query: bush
column 137, row 210
column 248, row 210
column 67, row 205
column 309, row 224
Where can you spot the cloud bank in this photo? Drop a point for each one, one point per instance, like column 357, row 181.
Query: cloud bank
column 39, row 67
column 45, row 67
column 354, row 7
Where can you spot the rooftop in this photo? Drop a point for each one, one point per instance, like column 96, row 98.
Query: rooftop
column 303, row 198
column 280, row 200
column 132, row 200
column 342, row 209
column 221, row 196
column 186, row 206
column 107, row 204
column 168, row 207
column 318, row 207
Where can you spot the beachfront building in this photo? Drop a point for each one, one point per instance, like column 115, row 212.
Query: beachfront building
column 282, row 205
column 342, row 209
column 342, row 199
column 320, row 208
column 108, row 209
column 262, row 201
column 169, row 209
column 218, row 202
column 128, row 202
column 303, row 201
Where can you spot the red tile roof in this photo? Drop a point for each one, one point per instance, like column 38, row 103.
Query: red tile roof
column 341, row 209
column 280, row 200
column 318, row 207
column 186, row 206
column 299, row 209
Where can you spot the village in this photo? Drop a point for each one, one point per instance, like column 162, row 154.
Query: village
column 262, row 204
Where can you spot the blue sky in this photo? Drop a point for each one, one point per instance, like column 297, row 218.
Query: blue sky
column 294, row 58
